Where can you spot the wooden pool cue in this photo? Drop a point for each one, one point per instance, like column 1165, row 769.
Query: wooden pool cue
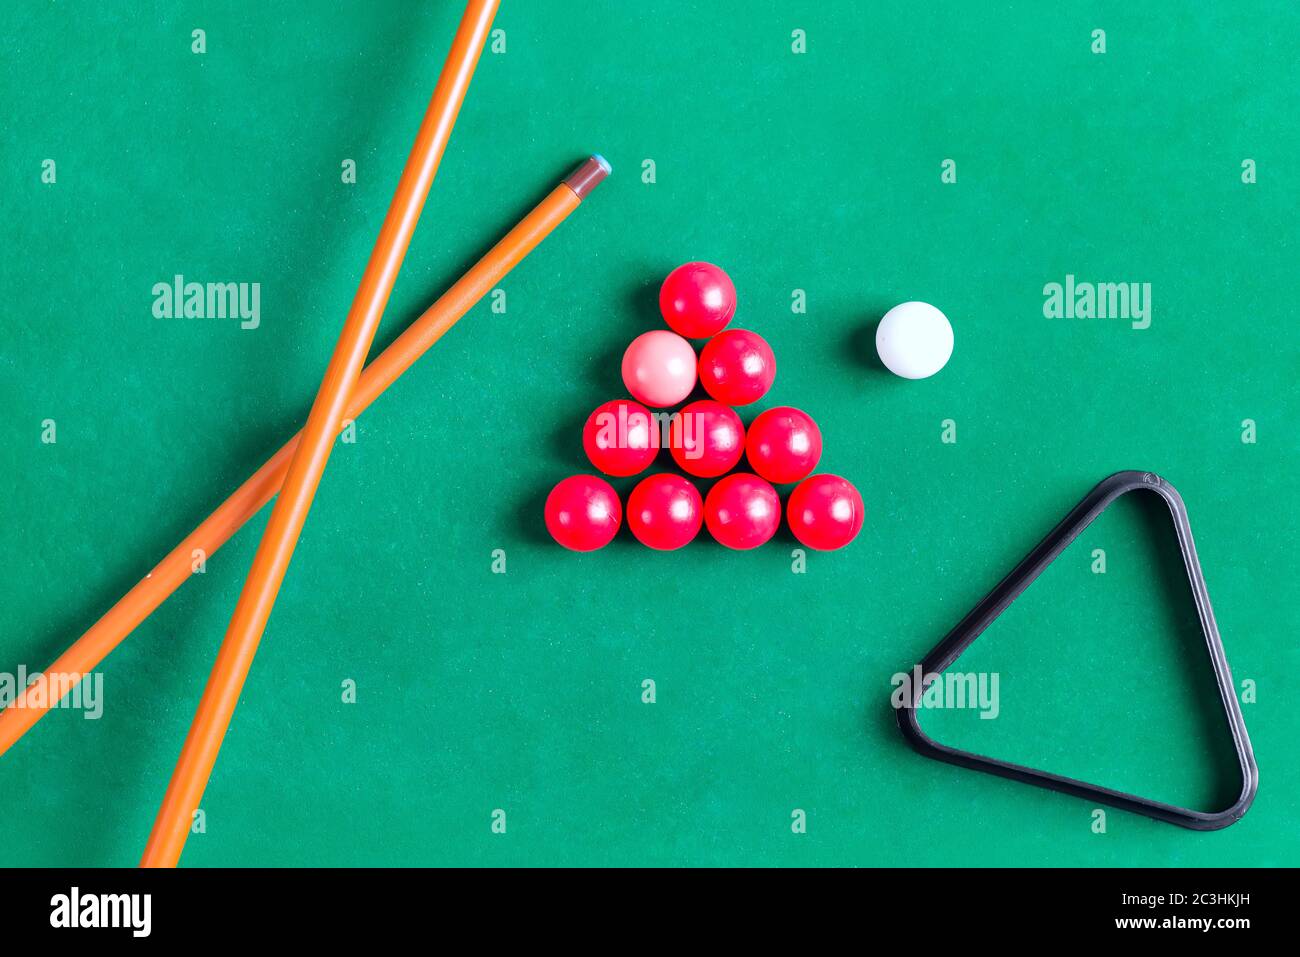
column 307, row 465
column 88, row 651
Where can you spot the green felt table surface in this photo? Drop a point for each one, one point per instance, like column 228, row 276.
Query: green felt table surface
column 821, row 171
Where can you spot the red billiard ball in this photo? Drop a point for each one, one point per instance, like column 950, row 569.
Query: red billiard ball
column 737, row 367
column 665, row 511
column 697, row 300
column 783, row 444
column 583, row 513
column 742, row 511
column 707, row 439
column 621, row 438
column 825, row 512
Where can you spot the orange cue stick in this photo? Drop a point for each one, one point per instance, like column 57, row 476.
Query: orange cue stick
column 307, row 465
column 88, row 651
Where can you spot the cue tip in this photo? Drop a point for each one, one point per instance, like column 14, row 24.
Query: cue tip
column 588, row 175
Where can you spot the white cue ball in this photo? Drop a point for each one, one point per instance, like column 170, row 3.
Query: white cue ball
column 914, row 340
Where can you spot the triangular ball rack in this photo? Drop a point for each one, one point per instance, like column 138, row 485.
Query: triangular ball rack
column 997, row 601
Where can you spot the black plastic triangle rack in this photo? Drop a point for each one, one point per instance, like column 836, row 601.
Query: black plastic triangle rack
column 993, row 604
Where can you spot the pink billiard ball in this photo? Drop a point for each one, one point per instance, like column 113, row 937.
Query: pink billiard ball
column 737, row 367
column 707, row 439
column 697, row 300
column 620, row 437
column 742, row 511
column 583, row 513
column 783, row 444
column 659, row 368
column 825, row 512
column 665, row 512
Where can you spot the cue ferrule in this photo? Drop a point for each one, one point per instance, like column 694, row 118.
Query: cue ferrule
column 589, row 175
